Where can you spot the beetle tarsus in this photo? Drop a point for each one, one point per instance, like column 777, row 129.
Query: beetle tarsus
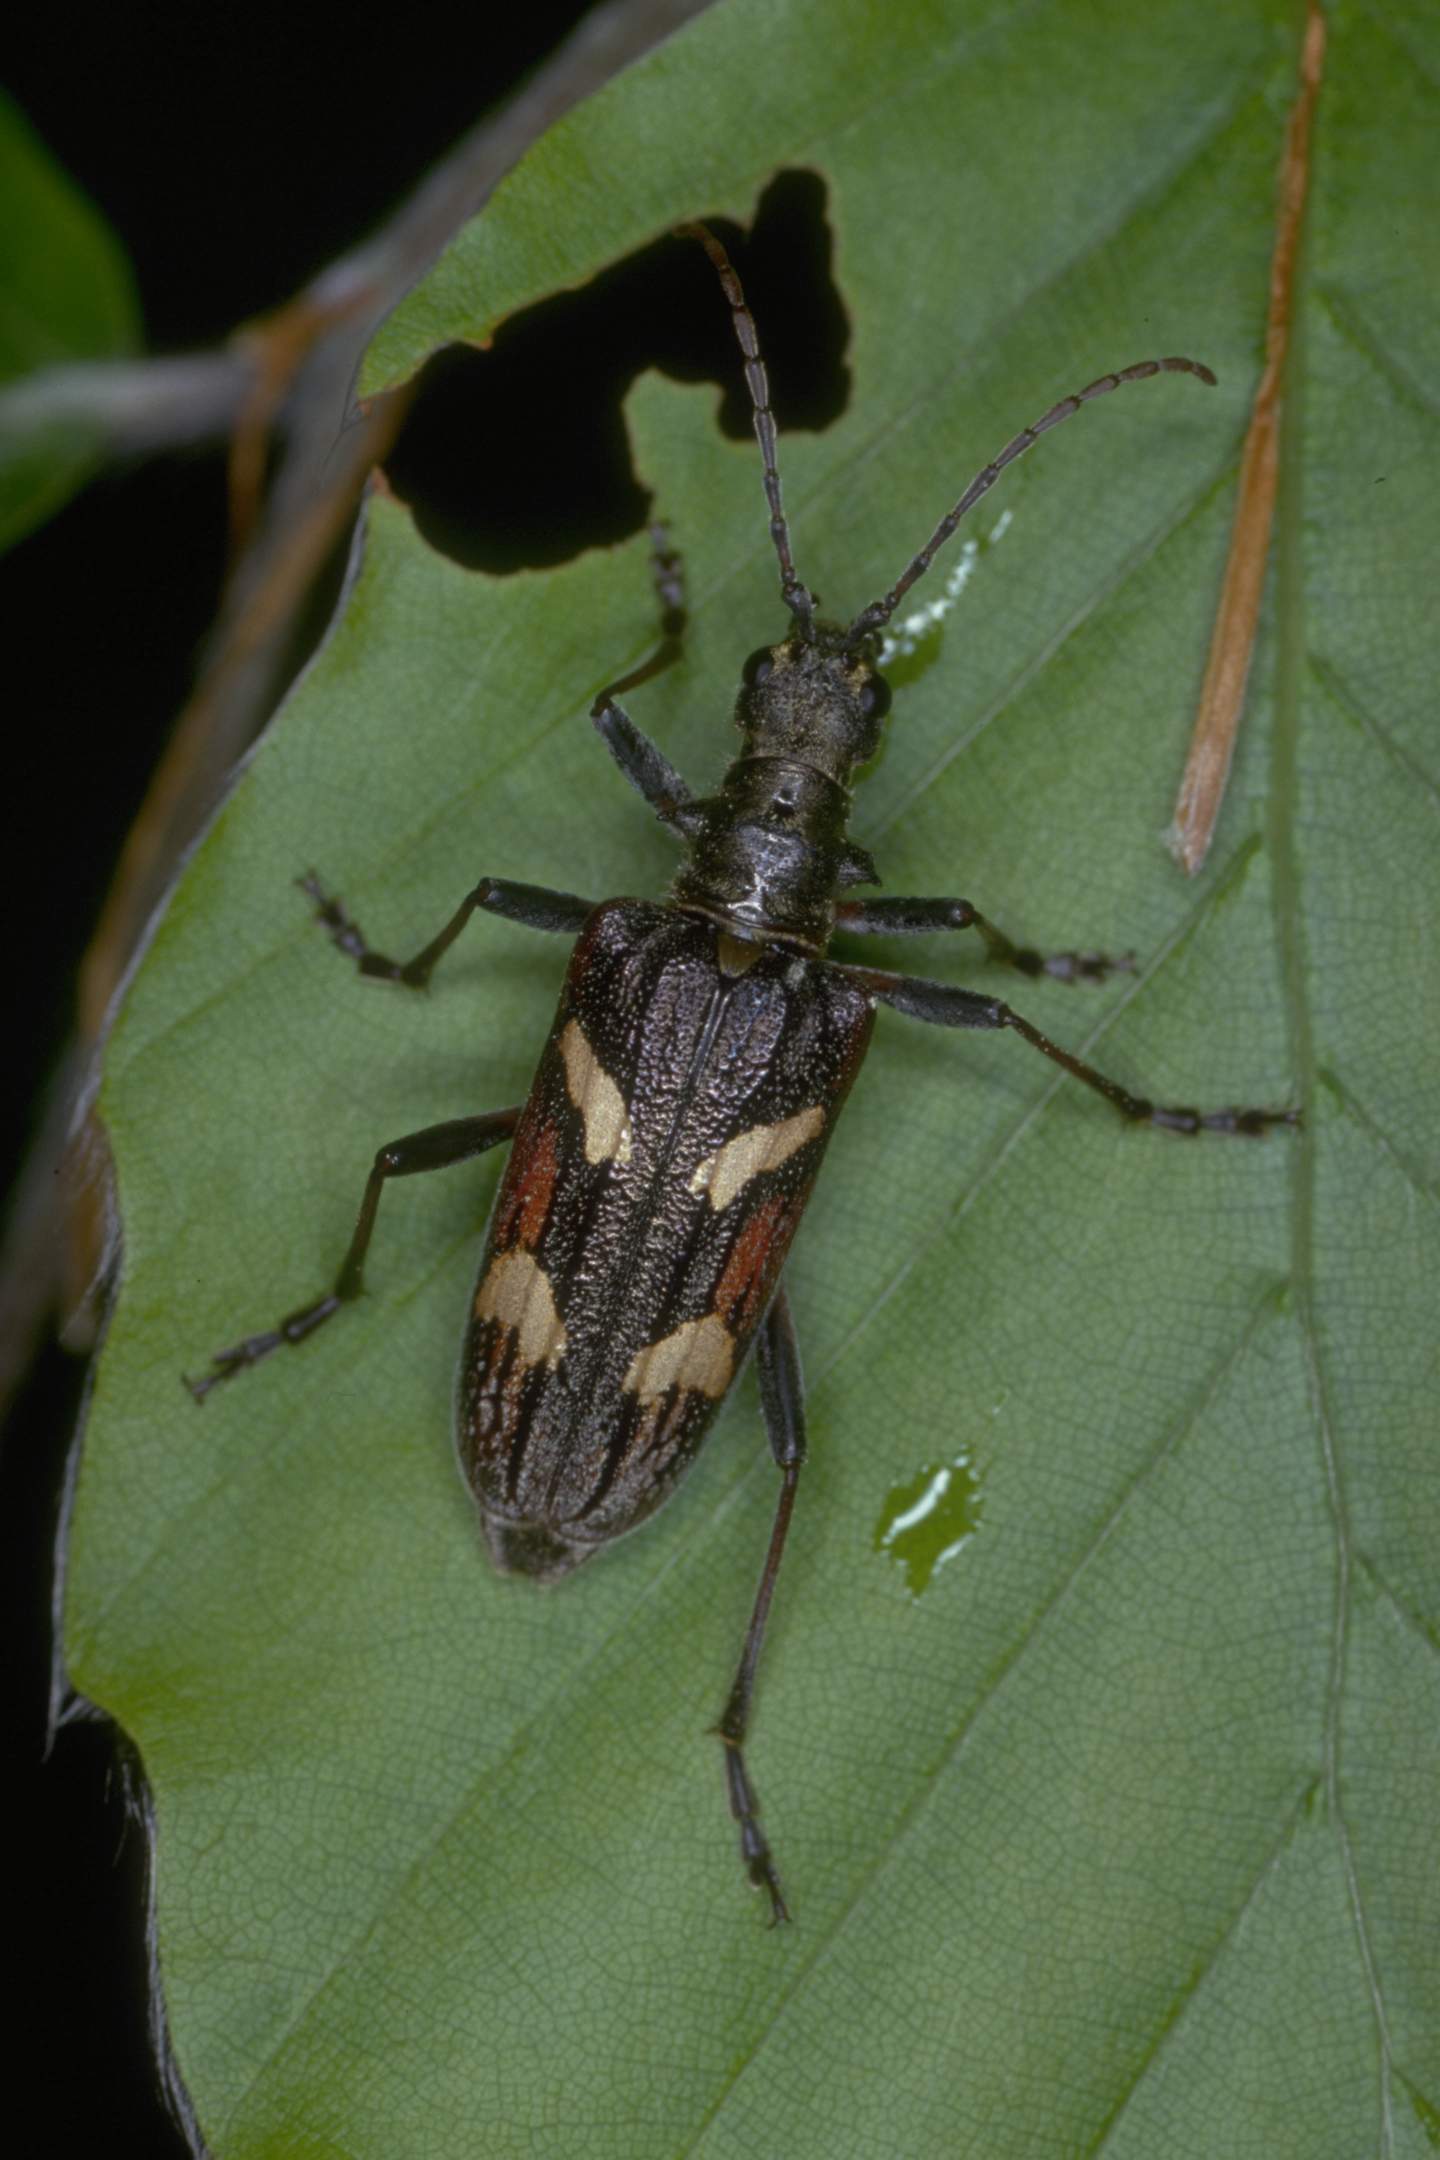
column 1084, row 967
column 755, row 1850
column 294, row 1328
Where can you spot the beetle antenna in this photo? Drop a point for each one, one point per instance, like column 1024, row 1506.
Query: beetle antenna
column 879, row 612
column 796, row 595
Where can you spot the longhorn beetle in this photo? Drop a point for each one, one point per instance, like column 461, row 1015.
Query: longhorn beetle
column 699, row 1058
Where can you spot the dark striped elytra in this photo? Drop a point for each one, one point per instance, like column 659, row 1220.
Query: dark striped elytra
column 700, row 1056
column 671, row 1137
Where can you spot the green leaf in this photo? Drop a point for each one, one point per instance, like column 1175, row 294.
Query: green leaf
column 1120, row 1836
column 65, row 294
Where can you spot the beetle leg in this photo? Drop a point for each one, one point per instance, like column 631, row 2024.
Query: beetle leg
column 912, row 918
column 646, row 768
column 436, row 1148
column 642, row 764
column 668, row 573
column 783, row 1401
column 536, row 906
column 943, row 1005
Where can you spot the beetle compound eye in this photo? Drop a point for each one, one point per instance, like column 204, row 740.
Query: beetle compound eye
column 758, row 668
column 875, row 698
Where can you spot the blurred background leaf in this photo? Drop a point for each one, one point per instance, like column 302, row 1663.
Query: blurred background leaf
column 66, row 293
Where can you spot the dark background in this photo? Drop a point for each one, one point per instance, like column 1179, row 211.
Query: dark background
column 233, row 159
column 233, row 164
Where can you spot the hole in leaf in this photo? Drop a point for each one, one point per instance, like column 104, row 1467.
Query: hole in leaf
column 517, row 458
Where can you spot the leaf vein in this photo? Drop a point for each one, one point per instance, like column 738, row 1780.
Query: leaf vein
column 1352, row 326
column 1409, row 766
column 1170, row 2022
column 928, row 1780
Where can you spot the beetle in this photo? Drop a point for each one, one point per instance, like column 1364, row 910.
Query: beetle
column 700, row 1055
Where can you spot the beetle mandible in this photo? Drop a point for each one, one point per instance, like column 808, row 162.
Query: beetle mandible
column 699, row 1058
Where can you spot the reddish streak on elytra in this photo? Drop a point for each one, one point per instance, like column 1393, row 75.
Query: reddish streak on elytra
column 530, row 1187
column 743, row 1281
